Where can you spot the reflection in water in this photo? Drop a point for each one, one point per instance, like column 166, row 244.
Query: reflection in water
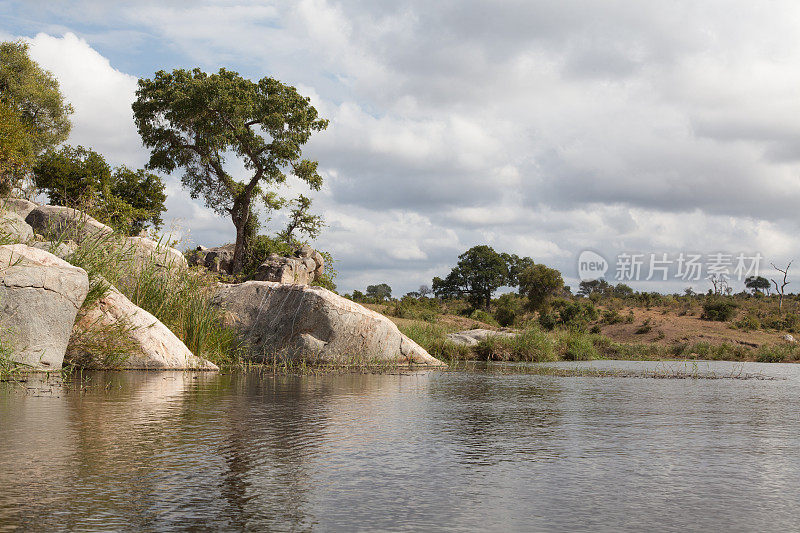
column 429, row 450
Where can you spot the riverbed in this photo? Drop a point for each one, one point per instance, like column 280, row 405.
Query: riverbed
column 483, row 448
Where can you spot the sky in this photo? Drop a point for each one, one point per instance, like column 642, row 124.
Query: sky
column 541, row 128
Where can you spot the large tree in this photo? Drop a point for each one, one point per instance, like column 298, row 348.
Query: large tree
column 197, row 121
column 540, row 284
column 480, row 271
column 36, row 114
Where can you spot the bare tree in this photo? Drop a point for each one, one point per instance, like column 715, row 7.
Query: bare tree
column 719, row 282
column 783, row 285
column 424, row 290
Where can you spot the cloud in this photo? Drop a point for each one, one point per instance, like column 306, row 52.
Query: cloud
column 543, row 128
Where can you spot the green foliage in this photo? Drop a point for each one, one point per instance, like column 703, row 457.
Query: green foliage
column 433, row 338
column 612, row 316
column 180, row 299
column 718, row 309
column 532, row 345
column 379, row 293
column 193, row 120
column 126, row 199
column 16, row 152
column 39, row 117
column 576, row 315
column 509, row 308
column 540, row 284
column 479, row 273
column 757, row 284
column 574, row 345
column 482, row 316
column 300, row 220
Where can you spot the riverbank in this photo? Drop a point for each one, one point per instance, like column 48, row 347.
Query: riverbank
column 649, row 335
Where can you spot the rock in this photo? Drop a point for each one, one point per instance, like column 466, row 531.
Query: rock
column 57, row 223
column 144, row 251
column 302, row 322
column 14, row 227
column 788, row 338
column 59, row 249
column 304, row 251
column 141, row 340
column 40, row 296
column 219, row 259
column 19, row 206
column 302, row 269
column 286, row 270
column 472, row 337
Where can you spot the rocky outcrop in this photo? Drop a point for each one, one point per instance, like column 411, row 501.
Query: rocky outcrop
column 18, row 205
column 302, row 269
column 40, row 296
column 312, row 323
column 58, row 223
column 472, row 337
column 58, row 249
column 219, row 259
column 147, row 252
column 14, row 227
column 116, row 333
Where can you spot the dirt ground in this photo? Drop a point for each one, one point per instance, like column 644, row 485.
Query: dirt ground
column 670, row 328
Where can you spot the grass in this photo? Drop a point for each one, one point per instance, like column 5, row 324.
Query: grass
column 433, row 338
column 179, row 298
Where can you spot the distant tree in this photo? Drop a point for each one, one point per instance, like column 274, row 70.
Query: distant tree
column 302, row 221
column 195, row 121
column 780, row 288
column 358, row 296
column 688, row 291
column 515, row 265
column 595, row 286
column 379, row 292
column 77, row 176
column 423, row 291
column 480, row 271
column 757, row 284
column 540, row 284
column 34, row 113
column 621, row 290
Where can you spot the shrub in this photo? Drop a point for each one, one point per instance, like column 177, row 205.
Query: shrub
column 611, row 317
column 719, row 310
column 575, row 346
column 548, row 321
column 482, row 316
column 505, row 316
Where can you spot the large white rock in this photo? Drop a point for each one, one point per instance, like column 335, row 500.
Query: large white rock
column 57, row 223
column 14, row 227
column 151, row 344
column 145, row 252
column 306, row 322
column 40, row 296
column 472, row 337
column 19, row 206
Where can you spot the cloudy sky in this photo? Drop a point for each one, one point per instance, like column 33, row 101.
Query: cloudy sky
column 543, row 128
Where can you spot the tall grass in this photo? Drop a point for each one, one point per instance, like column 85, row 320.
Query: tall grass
column 179, row 298
column 433, row 338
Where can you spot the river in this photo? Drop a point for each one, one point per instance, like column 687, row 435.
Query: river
column 497, row 448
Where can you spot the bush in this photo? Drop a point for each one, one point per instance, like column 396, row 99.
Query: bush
column 611, row 317
column 576, row 346
column 482, row 316
column 505, row 316
column 719, row 310
column 748, row 323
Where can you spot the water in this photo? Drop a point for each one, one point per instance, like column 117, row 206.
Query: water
column 467, row 450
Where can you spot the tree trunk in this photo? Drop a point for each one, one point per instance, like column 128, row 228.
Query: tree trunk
column 241, row 213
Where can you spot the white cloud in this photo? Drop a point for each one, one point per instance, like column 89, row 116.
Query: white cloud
column 542, row 128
